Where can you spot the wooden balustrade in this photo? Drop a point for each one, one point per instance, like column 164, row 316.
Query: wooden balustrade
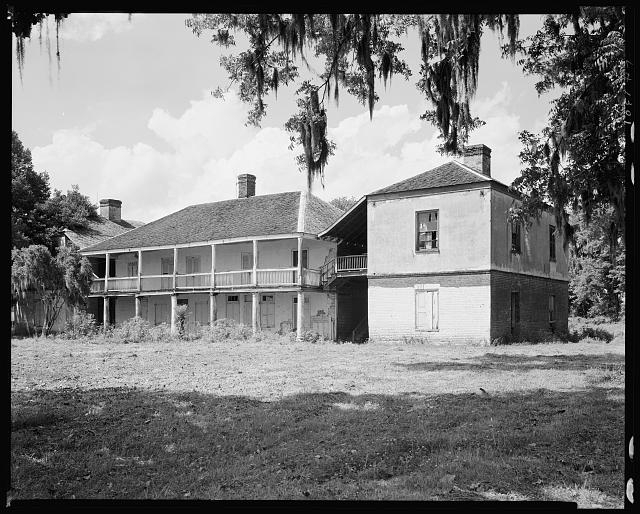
column 193, row 280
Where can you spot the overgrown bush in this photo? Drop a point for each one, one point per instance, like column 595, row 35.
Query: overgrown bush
column 224, row 329
column 588, row 334
column 81, row 324
column 311, row 336
column 181, row 318
column 134, row 330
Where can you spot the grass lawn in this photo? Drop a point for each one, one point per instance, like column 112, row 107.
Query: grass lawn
column 254, row 420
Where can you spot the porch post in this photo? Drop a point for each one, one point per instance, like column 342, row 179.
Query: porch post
column 241, row 308
column 213, row 307
column 105, row 313
column 139, row 270
column 255, row 262
column 300, row 309
column 213, row 266
column 335, row 316
column 254, row 311
column 138, row 301
column 299, row 261
column 174, row 305
column 175, row 265
column 106, row 272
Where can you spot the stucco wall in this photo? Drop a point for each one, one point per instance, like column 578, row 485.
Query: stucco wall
column 464, row 308
column 463, row 232
column 534, row 256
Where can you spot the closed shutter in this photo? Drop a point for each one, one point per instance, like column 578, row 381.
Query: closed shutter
column 427, row 310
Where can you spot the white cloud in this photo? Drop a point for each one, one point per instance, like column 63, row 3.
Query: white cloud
column 208, row 145
column 84, row 27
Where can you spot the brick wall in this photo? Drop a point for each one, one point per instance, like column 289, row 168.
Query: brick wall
column 534, row 304
column 464, row 307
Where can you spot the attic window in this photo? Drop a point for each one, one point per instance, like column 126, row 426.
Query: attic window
column 427, row 231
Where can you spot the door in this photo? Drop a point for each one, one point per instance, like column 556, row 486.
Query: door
column 267, row 311
column 426, row 310
column 306, row 313
column 166, row 268
column 247, row 303
column 233, row 308
column 161, row 313
column 202, row 313
column 112, row 310
column 193, row 266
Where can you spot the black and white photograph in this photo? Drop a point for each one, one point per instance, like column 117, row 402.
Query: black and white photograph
column 320, row 256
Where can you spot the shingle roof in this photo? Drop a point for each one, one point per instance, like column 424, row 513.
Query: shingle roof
column 240, row 217
column 98, row 229
column 448, row 174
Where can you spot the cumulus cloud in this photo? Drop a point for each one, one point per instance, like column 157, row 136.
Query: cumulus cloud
column 208, row 145
column 84, row 27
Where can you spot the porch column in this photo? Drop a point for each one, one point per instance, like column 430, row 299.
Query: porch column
column 175, row 265
column 213, row 267
column 106, row 272
column 213, row 307
column 138, row 302
column 300, row 307
column 174, row 305
column 105, row 313
column 255, row 262
column 254, row 311
column 299, row 261
column 139, row 270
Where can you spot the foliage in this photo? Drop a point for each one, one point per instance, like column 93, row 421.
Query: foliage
column 344, row 203
column 597, row 268
column 577, row 162
column 181, row 318
column 37, row 276
column 80, row 325
column 355, row 48
column 23, row 20
column 29, row 192
column 134, row 330
column 37, row 217
column 226, row 329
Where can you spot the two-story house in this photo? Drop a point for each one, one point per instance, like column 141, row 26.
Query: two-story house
column 444, row 263
column 431, row 257
column 253, row 259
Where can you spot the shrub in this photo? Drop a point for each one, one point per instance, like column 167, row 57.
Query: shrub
column 181, row 318
column 226, row 329
column 590, row 333
column 134, row 330
column 81, row 324
column 310, row 336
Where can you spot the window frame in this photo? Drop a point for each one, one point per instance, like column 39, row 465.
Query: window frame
column 552, row 243
column 417, row 232
column 516, row 230
column 552, row 308
column 514, row 310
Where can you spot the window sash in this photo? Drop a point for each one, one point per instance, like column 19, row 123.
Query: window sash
column 515, row 238
column 552, row 243
column 552, row 308
column 427, row 228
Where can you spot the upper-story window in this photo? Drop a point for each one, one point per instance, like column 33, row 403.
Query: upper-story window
column 193, row 264
column 132, row 269
column 515, row 237
column 552, row 243
column 305, row 258
column 427, row 231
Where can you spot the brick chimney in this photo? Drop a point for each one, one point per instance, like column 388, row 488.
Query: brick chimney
column 478, row 157
column 111, row 209
column 246, row 185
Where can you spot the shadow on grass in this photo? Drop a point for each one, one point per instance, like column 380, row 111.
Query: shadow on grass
column 505, row 362
column 129, row 443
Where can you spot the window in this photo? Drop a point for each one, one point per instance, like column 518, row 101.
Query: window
column 427, row 310
column 515, row 237
column 515, row 309
column 232, row 298
column 552, row 308
column 182, row 301
column 552, row 243
column 132, row 269
column 247, row 260
column 267, row 311
column 426, row 231
column 305, row 258
column 193, row 264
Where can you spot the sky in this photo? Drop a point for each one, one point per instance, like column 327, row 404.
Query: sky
column 129, row 115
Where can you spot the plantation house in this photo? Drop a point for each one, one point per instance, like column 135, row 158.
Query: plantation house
column 432, row 257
